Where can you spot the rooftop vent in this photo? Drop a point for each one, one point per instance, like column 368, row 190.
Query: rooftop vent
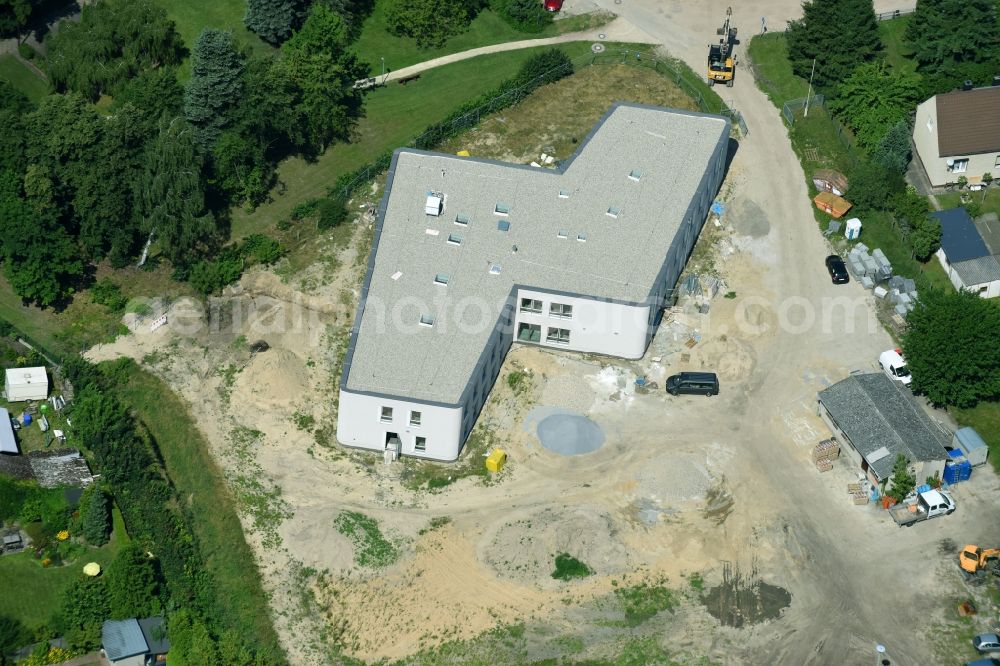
column 494, row 269
column 462, row 219
column 562, row 233
column 564, row 194
column 426, row 320
column 397, row 275
column 435, row 204
column 614, row 212
column 431, row 232
column 582, row 238
column 441, row 278
column 503, row 225
column 635, row 174
column 454, row 239
column 502, row 209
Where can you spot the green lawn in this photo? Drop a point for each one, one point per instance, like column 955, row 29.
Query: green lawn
column 32, row 594
column 990, row 205
column 394, row 115
column 769, row 55
column 15, row 73
column 240, row 598
column 375, row 42
column 896, row 53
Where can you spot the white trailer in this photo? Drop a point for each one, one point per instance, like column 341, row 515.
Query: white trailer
column 26, row 384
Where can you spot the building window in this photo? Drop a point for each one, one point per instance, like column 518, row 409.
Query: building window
column 561, row 310
column 414, row 418
column 558, row 336
column 420, row 444
column 531, row 306
column 960, row 166
column 387, row 414
column 529, row 332
column 997, row 163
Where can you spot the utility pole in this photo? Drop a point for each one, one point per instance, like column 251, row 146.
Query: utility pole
column 809, row 92
column 383, row 70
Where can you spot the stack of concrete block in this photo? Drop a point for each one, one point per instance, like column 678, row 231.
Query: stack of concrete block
column 902, row 294
column 884, row 267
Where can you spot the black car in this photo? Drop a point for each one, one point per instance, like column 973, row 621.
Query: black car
column 837, row 269
column 693, row 383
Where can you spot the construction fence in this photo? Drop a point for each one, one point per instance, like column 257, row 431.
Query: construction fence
column 437, row 133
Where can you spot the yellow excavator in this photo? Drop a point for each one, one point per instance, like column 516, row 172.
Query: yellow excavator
column 978, row 563
column 721, row 61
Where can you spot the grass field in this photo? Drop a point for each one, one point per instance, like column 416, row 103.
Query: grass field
column 15, row 73
column 375, row 42
column 394, row 115
column 991, row 203
column 239, row 595
column 32, row 594
column 985, row 418
column 896, row 53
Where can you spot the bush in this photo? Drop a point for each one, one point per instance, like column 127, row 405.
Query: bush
column 108, row 294
column 305, row 209
column 523, row 15
column 259, row 249
column 429, row 22
column 332, row 213
column 95, row 516
column 26, row 51
column 568, row 567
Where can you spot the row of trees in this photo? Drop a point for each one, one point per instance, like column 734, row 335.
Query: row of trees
column 174, row 580
column 430, row 23
column 167, row 161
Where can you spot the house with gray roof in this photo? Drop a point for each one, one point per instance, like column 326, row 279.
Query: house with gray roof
column 879, row 419
column 970, row 251
column 472, row 255
column 135, row 642
column 957, row 134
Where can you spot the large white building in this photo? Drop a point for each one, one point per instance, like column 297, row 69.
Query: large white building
column 472, row 255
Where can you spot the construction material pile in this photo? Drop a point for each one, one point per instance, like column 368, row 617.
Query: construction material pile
column 874, row 271
column 824, row 453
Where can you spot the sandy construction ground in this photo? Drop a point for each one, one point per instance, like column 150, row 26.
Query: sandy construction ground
column 680, row 485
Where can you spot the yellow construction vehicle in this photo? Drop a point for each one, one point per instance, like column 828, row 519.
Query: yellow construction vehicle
column 721, row 60
column 977, row 563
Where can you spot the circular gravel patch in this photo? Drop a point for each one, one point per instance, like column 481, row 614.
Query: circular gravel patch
column 570, row 434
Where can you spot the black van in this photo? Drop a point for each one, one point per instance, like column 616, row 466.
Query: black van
column 693, row 383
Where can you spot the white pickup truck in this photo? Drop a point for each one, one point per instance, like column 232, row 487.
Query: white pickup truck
column 928, row 504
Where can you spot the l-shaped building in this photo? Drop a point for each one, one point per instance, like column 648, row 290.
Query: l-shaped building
column 471, row 255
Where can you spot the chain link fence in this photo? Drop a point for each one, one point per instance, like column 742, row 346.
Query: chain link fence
column 439, row 132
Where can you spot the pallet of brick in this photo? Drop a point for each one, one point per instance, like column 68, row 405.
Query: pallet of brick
column 824, row 464
column 859, row 498
column 828, row 448
column 853, row 488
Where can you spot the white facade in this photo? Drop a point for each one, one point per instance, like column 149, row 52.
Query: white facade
column 593, row 326
column 939, row 172
column 370, row 428
column 26, row 384
column 989, row 289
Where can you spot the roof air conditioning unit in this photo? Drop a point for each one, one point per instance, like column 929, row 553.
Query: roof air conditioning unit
column 435, row 204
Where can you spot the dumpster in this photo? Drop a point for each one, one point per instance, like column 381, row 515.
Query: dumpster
column 832, row 204
column 496, row 460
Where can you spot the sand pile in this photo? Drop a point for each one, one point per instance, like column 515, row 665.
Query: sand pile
column 273, row 379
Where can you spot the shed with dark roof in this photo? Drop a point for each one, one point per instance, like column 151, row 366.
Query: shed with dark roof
column 960, row 240
column 879, row 420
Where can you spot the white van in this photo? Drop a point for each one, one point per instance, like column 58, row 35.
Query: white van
column 893, row 365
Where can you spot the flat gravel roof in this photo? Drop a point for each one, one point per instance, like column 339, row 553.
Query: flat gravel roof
column 599, row 226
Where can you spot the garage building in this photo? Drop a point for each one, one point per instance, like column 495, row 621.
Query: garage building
column 879, row 419
column 472, row 255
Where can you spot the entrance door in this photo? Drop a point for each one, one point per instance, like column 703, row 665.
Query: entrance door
column 392, row 442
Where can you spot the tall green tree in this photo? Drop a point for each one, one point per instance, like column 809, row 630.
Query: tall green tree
column 838, row 34
column 951, row 348
column 133, row 584
column 169, row 194
column 152, row 94
column 95, row 516
column 922, row 232
column 41, row 261
column 215, row 85
column 429, row 22
column 873, row 99
column 319, row 75
column 113, row 41
column 83, row 610
column 273, row 20
column 954, row 40
column 893, row 149
column 14, row 109
column 14, row 15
